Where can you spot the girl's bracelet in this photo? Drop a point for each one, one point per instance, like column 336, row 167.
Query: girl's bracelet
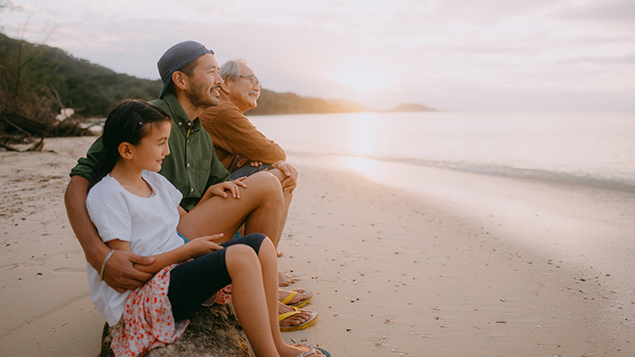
column 103, row 265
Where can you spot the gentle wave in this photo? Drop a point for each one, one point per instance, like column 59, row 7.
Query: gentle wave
column 586, row 179
column 584, row 148
column 575, row 178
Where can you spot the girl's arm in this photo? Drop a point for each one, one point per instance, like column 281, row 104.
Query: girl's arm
column 192, row 249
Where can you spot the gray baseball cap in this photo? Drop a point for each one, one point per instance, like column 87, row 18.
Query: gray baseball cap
column 176, row 57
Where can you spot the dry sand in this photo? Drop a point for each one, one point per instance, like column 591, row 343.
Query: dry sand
column 448, row 264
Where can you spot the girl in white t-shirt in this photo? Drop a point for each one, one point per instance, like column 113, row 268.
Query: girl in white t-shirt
column 136, row 209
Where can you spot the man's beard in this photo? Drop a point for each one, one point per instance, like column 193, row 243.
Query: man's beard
column 202, row 99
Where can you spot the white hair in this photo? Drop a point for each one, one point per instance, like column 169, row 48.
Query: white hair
column 231, row 69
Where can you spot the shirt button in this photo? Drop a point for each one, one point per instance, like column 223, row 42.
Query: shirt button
column 188, row 164
column 189, row 123
column 191, row 190
column 180, row 123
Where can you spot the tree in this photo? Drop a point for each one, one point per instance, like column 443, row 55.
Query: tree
column 28, row 100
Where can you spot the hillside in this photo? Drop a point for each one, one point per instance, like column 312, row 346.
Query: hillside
column 92, row 90
column 89, row 88
column 290, row 103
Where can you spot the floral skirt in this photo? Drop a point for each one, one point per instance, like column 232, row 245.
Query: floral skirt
column 148, row 322
column 147, row 318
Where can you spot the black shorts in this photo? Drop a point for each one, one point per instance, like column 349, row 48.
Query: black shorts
column 194, row 282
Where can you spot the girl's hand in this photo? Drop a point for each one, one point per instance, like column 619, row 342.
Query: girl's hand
column 219, row 189
column 204, row 245
column 240, row 182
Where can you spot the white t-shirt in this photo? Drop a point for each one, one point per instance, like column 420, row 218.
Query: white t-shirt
column 149, row 224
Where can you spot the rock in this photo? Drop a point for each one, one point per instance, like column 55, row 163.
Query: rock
column 213, row 331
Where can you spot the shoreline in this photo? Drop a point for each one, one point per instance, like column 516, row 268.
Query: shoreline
column 417, row 267
column 491, row 200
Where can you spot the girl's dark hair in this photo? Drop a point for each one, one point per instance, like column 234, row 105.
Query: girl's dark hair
column 129, row 122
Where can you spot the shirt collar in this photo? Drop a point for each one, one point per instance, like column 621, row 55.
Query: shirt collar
column 180, row 118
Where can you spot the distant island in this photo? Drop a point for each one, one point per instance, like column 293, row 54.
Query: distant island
column 92, row 90
column 411, row 107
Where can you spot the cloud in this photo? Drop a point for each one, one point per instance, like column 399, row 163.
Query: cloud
column 431, row 50
column 620, row 60
column 621, row 11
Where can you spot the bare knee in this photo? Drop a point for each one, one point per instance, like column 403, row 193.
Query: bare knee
column 268, row 185
column 267, row 248
column 239, row 257
column 278, row 174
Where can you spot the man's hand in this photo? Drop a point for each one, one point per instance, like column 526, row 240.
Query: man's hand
column 121, row 275
column 243, row 161
column 291, row 182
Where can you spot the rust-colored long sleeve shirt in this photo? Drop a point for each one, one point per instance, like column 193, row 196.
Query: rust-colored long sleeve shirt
column 234, row 135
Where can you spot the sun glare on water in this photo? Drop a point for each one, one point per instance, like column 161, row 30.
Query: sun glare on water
column 364, row 131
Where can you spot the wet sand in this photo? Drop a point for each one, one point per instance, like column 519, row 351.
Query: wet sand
column 417, row 263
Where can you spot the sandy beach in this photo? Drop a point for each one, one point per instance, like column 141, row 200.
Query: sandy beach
column 450, row 263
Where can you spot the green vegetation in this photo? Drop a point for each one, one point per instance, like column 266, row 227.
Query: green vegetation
column 36, row 81
column 90, row 89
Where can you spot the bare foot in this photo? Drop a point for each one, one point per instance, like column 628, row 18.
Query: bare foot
column 278, row 253
column 301, row 294
column 285, row 279
column 294, row 320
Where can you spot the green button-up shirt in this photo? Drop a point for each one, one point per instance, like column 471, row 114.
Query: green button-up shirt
column 192, row 165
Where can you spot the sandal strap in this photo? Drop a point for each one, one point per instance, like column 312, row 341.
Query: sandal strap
column 290, row 313
column 289, row 297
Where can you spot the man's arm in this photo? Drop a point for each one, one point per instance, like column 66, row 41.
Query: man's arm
column 119, row 273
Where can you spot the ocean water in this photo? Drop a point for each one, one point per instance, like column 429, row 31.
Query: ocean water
column 588, row 148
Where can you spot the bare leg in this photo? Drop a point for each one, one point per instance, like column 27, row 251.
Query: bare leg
column 255, row 296
column 288, row 196
column 259, row 208
column 249, row 297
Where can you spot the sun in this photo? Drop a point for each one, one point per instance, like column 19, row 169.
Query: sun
column 363, row 75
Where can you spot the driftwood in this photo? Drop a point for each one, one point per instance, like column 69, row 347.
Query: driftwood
column 213, row 331
column 18, row 129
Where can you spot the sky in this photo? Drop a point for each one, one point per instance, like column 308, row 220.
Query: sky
column 455, row 55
